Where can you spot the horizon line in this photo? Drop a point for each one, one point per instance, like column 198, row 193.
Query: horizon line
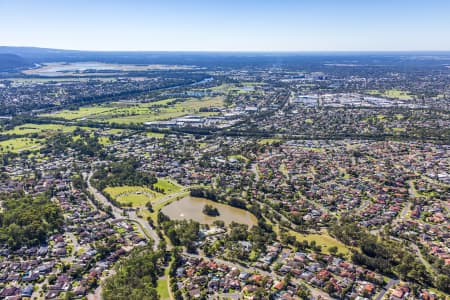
column 237, row 51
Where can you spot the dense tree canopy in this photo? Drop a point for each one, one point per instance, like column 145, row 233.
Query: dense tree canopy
column 27, row 221
column 135, row 277
column 85, row 143
column 383, row 255
column 122, row 173
column 180, row 232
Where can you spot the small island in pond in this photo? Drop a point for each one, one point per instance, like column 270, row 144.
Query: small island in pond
column 210, row 210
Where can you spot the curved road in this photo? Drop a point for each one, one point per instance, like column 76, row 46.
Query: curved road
column 119, row 213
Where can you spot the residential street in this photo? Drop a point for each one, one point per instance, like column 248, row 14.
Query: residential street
column 118, row 213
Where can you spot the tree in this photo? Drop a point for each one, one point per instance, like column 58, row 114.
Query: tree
column 210, row 210
column 219, row 223
column 443, row 283
column 333, row 250
column 136, row 277
column 28, row 220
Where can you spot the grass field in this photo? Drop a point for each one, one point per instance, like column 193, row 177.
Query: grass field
column 393, row 93
column 156, row 103
column 268, row 141
column 27, row 129
column 80, row 113
column 238, row 157
column 142, row 118
column 136, row 195
column 19, row 144
column 167, row 186
column 163, row 284
column 324, row 240
column 155, row 135
column 121, row 190
column 162, row 288
column 136, row 200
column 398, row 129
column 226, row 88
column 397, row 94
column 373, row 92
column 114, row 131
column 166, row 112
column 104, row 140
column 283, row 169
column 127, row 113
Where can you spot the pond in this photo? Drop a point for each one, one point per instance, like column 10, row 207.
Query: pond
column 192, row 208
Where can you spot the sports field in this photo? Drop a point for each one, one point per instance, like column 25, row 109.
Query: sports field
column 135, row 195
column 138, row 196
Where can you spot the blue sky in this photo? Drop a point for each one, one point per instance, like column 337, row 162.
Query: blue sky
column 227, row 25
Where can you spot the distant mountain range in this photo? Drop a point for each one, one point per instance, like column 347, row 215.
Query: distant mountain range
column 10, row 61
column 15, row 58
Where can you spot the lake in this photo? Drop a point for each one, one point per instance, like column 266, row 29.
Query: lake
column 192, row 207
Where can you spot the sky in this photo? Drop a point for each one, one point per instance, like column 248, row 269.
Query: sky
column 227, row 25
